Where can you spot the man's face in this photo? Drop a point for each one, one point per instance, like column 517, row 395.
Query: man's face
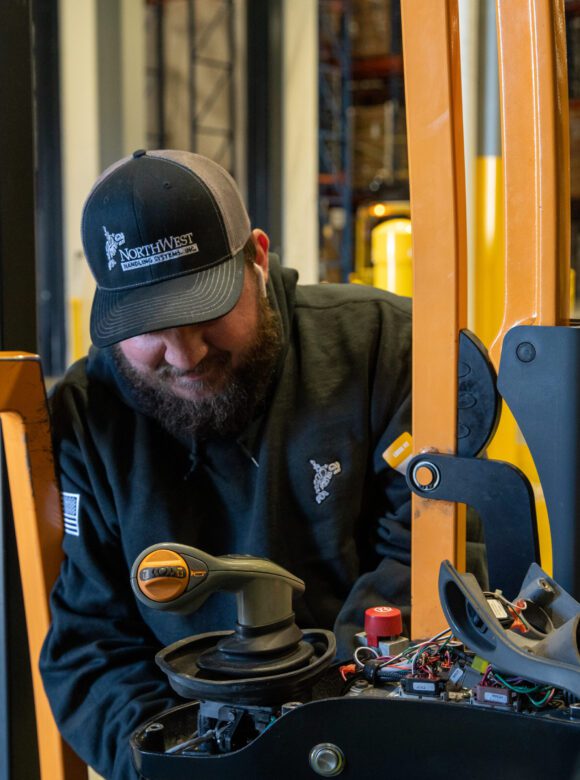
column 206, row 378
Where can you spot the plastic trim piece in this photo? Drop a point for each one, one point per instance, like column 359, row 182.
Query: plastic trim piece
column 553, row 660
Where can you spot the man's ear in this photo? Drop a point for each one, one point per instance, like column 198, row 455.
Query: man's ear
column 262, row 244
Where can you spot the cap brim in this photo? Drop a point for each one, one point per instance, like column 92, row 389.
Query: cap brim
column 183, row 300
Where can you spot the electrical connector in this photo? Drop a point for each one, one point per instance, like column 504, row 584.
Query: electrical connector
column 422, row 686
column 494, row 697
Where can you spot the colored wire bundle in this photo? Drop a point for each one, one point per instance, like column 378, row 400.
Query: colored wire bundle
column 518, row 685
column 420, row 657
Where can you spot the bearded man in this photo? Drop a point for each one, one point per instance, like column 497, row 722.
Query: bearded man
column 225, row 407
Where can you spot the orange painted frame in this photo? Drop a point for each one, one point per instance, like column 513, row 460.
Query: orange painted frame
column 437, row 183
column 533, row 85
column 39, row 528
column 534, row 120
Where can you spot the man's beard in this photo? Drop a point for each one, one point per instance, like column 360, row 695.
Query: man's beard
column 225, row 412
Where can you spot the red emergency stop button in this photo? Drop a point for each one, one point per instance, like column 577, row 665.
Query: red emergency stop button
column 382, row 623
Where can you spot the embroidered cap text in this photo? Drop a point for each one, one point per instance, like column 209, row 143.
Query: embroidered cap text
column 161, row 251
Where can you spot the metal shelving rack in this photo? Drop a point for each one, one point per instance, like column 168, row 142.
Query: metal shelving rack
column 208, row 121
column 204, row 122
column 350, row 80
column 335, row 180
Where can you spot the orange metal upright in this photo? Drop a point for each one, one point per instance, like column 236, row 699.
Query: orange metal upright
column 534, row 131
column 536, row 195
column 39, row 528
column 535, row 148
column 437, row 188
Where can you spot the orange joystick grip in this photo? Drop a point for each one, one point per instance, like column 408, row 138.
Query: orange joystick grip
column 163, row 575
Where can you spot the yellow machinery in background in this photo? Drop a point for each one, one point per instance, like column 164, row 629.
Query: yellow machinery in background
column 392, row 255
column 383, row 255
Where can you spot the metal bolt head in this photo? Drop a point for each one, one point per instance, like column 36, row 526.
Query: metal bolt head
column 545, row 585
column 152, row 727
column 525, row 352
column 154, row 738
column 425, row 475
column 360, row 685
column 289, row 706
column 326, row 759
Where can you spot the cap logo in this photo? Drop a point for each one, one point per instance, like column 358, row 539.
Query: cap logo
column 163, row 250
column 112, row 242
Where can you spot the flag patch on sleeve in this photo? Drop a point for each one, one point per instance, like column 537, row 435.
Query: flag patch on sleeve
column 70, row 511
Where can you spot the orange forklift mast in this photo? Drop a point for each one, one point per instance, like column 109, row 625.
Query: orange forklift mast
column 536, row 169
column 534, row 131
column 437, row 189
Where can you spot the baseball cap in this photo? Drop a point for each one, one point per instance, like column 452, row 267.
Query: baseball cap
column 163, row 232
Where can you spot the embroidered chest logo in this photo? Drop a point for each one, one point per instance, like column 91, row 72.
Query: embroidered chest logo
column 112, row 242
column 322, row 478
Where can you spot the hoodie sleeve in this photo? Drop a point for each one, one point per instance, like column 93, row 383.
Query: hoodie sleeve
column 97, row 662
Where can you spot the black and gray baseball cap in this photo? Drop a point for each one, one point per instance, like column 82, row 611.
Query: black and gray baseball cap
column 163, row 232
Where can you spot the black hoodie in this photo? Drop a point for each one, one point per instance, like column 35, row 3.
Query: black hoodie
column 341, row 396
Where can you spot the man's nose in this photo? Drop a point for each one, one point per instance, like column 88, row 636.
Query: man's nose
column 185, row 347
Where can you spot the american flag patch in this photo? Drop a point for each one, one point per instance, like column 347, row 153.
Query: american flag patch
column 70, row 511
